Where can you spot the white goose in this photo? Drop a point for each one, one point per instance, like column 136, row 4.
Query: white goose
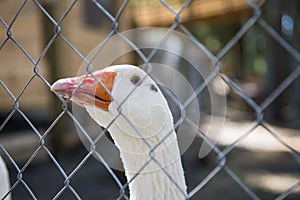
column 4, row 181
column 145, row 120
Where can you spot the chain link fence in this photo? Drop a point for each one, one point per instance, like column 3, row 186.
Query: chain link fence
column 65, row 178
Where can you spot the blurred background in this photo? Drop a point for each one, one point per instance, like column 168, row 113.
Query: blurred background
column 257, row 43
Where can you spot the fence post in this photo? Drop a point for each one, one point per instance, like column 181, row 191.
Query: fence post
column 277, row 62
column 52, row 57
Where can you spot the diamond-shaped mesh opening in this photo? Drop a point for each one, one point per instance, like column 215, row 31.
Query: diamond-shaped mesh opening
column 200, row 168
column 12, row 57
column 92, row 173
column 38, row 91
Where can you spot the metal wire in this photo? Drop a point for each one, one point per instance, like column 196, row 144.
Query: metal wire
column 256, row 18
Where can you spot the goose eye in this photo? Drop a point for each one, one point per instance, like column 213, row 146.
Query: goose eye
column 135, row 79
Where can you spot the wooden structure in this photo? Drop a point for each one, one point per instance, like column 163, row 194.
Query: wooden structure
column 16, row 69
column 150, row 13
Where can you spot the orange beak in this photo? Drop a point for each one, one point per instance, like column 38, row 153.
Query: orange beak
column 86, row 90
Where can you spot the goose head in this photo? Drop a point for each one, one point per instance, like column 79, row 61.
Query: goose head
column 124, row 95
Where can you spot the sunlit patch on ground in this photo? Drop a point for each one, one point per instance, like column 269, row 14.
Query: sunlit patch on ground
column 259, row 139
column 276, row 183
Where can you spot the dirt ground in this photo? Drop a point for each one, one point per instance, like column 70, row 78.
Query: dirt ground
column 92, row 181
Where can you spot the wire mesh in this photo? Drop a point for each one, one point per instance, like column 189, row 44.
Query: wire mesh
column 222, row 155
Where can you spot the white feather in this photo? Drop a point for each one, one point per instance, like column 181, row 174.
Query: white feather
column 148, row 112
column 4, row 180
